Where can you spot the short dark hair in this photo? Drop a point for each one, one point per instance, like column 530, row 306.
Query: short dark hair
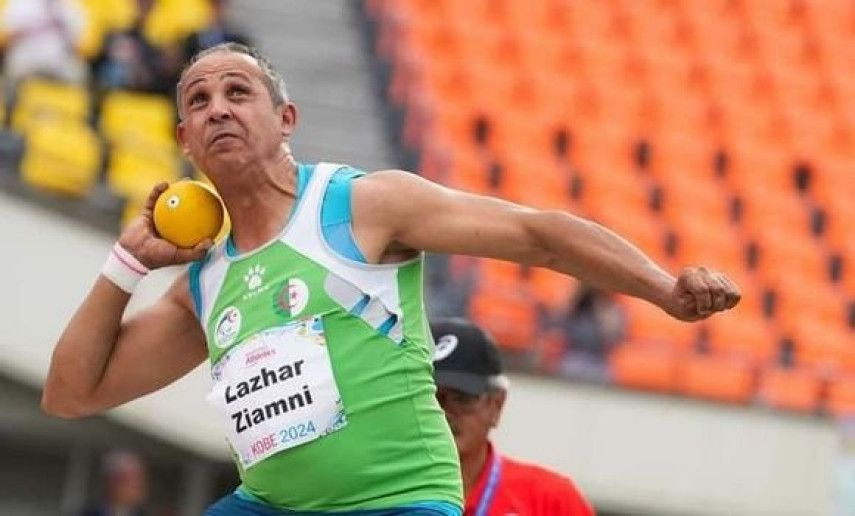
column 272, row 79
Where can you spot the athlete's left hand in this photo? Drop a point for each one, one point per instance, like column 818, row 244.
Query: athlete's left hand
column 701, row 292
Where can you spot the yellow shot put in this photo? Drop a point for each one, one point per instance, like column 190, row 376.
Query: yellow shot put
column 188, row 212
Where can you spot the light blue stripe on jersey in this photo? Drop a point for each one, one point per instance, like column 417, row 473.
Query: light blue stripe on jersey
column 195, row 285
column 387, row 325
column 337, row 215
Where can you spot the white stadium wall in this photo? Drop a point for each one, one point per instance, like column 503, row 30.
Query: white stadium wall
column 626, row 450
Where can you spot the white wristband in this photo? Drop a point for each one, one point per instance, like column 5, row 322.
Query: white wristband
column 123, row 269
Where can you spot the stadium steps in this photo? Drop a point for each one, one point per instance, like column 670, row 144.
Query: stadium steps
column 319, row 49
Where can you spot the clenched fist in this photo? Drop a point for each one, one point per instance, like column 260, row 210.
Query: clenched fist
column 141, row 239
column 701, row 292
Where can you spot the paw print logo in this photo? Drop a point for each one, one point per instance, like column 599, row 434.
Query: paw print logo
column 253, row 277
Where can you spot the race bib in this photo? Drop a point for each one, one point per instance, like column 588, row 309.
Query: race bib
column 276, row 390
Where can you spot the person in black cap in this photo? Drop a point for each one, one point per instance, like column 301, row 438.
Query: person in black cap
column 471, row 389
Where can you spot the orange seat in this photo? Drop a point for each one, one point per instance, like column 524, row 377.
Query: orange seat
column 644, row 367
column 550, row 288
column 716, row 378
column 841, row 396
column 508, row 315
column 464, row 171
column 848, row 253
column 690, row 198
column 713, row 245
column 649, row 324
column 743, row 336
column 790, row 389
column 787, row 251
column 828, row 348
column 763, row 174
column 639, row 227
column 800, row 298
column 499, row 275
column 604, row 189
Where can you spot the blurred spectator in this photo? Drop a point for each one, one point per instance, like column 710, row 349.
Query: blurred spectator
column 220, row 30
column 129, row 61
column 126, row 486
column 471, row 389
column 42, row 40
column 594, row 324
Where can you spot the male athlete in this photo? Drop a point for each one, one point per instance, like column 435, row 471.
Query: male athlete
column 311, row 312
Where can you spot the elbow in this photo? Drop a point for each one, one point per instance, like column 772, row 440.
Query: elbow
column 55, row 406
column 547, row 230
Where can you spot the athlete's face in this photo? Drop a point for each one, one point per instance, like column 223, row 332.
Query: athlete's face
column 471, row 417
column 229, row 119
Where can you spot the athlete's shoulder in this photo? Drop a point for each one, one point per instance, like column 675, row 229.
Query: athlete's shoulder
column 391, row 186
column 548, row 487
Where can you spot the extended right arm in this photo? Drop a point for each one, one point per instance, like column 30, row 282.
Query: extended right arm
column 101, row 360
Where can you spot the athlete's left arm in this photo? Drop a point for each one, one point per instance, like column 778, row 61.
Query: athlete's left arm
column 394, row 210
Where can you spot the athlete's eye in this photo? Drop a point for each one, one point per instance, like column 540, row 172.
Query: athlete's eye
column 197, row 99
column 237, row 91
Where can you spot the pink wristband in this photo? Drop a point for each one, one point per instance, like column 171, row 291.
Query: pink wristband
column 123, row 269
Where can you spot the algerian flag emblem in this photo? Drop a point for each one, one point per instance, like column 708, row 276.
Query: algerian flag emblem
column 292, row 297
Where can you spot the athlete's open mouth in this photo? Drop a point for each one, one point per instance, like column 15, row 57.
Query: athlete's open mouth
column 221, row 136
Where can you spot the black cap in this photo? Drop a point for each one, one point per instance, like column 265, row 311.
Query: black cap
column 466, row 357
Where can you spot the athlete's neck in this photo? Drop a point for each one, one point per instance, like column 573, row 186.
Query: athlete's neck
column 471, row 465
column 259, row 199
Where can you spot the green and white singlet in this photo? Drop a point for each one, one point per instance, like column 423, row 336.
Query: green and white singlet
column 322, row 370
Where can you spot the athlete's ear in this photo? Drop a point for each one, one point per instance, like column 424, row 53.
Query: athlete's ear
column 288, row 118
column 182, row 138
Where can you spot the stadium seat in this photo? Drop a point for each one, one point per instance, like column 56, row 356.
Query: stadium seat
column 689, row 197
column 172, row 20
column 788, row 250
column 461, row 168
column 519, row 172
column 827, row 348
column 800, row 297
column 39, row 100
column 62, row 157
column 636, row 225
column 102, row 17
column 134, row 169
column 648, row 324
column 552, row 289
column 790, row 389
column 602, row 190
column 640, row 366
column 130, row 117
column 508, row 314
column 715, row 244
column 742, row 336
column 716, row 378
column 841, row 396
column 499, row 275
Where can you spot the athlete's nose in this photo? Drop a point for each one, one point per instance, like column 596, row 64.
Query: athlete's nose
column 219, row 109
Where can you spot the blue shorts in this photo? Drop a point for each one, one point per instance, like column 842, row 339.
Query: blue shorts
column 236, row 505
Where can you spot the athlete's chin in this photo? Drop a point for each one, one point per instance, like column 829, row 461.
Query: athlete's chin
column 228, row 158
